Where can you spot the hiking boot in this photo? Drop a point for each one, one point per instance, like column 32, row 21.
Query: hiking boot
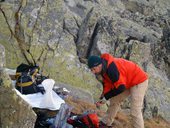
column 103, row 125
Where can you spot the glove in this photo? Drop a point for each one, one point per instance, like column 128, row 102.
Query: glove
column 101, row 102
column 41, row 89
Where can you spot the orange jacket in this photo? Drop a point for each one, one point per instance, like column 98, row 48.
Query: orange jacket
column 129, row 73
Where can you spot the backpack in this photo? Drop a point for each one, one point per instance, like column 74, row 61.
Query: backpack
column 25, row 75
column 26, row 79
column 87, row 120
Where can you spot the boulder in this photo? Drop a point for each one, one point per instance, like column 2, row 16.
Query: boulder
column 15, row 112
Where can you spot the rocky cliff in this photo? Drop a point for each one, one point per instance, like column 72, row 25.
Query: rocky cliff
column 60, row 35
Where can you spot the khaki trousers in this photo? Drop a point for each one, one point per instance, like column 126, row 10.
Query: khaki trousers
column 137, row 94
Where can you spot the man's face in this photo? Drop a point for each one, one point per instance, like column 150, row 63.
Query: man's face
column 97, row 70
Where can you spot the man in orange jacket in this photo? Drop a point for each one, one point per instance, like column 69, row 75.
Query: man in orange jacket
column 121, row 78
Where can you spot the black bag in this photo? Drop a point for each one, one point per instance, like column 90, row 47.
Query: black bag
column 26, row 79
column 24, row 68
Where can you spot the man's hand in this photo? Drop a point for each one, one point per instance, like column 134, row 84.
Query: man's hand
column 100, row 102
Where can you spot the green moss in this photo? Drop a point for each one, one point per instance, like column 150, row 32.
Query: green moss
column 58, row 5
column 60, row 71
column 15, row 97
column 7, row 8
column 24, row 3
column 12, row 54
column 61, row 68
column 6, row 82
column 4, row 28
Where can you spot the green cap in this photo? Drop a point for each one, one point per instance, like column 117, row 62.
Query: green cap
column 94, row 61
